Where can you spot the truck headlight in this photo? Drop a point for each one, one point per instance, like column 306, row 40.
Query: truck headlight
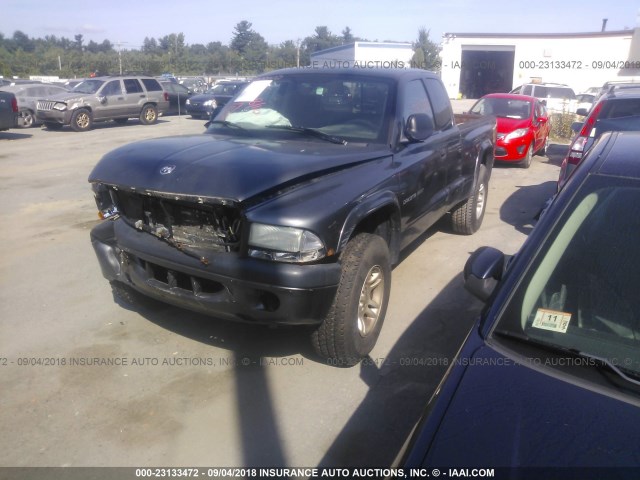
column 188, row 102
column 521, row 132
column 104, row 201
column 284, row 244
column 60, row 106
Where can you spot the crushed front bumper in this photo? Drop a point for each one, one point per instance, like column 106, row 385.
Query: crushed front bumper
column 230, row 287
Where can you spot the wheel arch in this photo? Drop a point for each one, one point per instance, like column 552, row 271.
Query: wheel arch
column 378, row 215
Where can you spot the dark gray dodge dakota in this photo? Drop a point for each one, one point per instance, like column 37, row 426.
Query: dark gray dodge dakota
column 295, row 203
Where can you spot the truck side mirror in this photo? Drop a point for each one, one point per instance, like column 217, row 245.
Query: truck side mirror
column 576, row 126
column 419, row 127
column 483, row 271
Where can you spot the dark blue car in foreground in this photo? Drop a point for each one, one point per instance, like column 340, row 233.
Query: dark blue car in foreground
column 547, row 383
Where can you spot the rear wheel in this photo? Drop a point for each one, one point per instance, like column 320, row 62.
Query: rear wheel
column 352, row 326
column 81, row 120
column 467, row 217
column 149, row 115
column 28, row 118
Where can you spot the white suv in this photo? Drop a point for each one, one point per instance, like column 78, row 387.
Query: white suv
column 558, row 97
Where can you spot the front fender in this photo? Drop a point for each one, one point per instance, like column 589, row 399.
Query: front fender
column 384, row 202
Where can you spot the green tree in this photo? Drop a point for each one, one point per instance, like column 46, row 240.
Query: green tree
column 427, row 53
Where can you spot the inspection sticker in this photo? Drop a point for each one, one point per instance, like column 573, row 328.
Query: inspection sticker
column 551, row 320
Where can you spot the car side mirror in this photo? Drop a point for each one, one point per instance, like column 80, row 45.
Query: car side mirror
column 419, row 127
column 102, row 99
column 582, row 112
column 541, row 120
column 576, row 126
column 483, row 271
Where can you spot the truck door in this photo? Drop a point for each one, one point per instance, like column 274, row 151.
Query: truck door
column 421, row 176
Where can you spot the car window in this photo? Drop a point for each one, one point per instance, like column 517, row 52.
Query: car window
column 503, row 107
column 152, row 85
column 348, row 106
column 415, row 100
column 132, row 85
column 580, row 292
column 440, row 103
column 526, row 90
column 112, row 88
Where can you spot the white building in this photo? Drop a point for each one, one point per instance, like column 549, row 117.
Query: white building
column 474, row 64
column 365, row 55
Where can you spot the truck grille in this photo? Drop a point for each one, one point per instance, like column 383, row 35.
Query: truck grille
column 45, row 105
column 211, row 227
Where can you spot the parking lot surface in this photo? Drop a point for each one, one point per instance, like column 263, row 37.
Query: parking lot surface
column 88, row 382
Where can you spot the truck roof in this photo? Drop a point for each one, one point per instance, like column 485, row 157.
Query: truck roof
column 378, row 72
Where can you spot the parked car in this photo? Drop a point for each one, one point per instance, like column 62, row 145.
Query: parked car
column 523, row 126
column 27, row 95
column 195, row 84
column 557, row 96
column 293, row 206
column 585, row 100
column 9, row 117
column 203, row 105
column 102, row 99
column 178, row 97
column 549, row 375
column 616, row 110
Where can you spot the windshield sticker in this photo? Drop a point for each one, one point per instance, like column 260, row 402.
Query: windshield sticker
column 253, row 90
column 551, row 320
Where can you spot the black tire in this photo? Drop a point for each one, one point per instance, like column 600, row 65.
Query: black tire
column 127, row 296
column 149, row 115
column 53, row 126
column 528, row 158
column 81, row 120
column 348, row 332
column 28, row 118
column 467, row 217
column 121, row 121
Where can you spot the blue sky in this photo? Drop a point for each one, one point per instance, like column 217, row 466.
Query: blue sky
column 203, row 21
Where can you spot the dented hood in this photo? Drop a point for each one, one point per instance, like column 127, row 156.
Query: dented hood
column 229, row 168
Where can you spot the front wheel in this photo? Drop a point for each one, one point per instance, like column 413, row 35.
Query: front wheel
column 352, row 326
column 528, row 158
column 81, row 120
column 149, row 115
column 467, row 217
column 545, row 147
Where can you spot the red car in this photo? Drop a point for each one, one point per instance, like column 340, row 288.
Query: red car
column 522, row 123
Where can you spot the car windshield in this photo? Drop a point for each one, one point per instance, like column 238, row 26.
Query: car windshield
column 349, row 106
column 503, row 107
column 88, row 86
column 580, row 291
column 224, row 89
column 564, row 93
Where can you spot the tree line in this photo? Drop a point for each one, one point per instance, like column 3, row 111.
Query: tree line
column 247, row 53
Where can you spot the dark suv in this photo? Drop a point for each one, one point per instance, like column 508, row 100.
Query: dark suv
column 616, row 110
column 104, row 98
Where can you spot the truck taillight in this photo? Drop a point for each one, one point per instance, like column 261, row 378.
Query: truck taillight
column 591, row 120
column 14, row 105
column 576, row 150
column 166, row 96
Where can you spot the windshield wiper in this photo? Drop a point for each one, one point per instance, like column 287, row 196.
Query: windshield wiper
column 606, row 362
column 312, row 132
column 601, row 361
column 226, row 123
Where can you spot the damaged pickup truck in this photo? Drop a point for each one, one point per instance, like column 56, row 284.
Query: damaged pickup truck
column 293, row 206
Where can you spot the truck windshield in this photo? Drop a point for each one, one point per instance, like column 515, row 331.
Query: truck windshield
column 580, row 292
column 351, row 107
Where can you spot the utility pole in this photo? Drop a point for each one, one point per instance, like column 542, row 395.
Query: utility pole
column 119, row 45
